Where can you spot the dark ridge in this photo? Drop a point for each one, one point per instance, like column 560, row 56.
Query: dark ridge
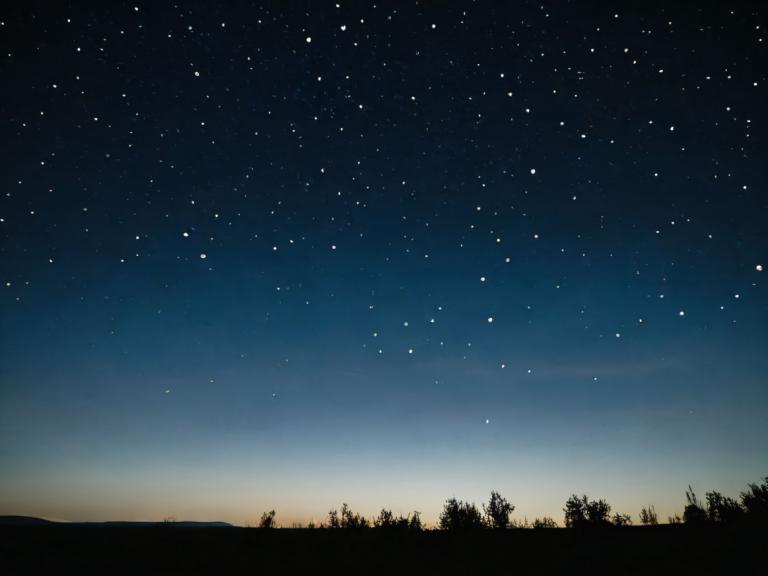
column 32, row 521
column 23, row 521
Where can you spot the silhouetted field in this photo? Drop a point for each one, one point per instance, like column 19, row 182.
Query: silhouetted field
column 667, row 549
column 720, row 535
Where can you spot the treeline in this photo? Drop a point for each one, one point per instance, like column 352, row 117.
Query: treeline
column 579, row 512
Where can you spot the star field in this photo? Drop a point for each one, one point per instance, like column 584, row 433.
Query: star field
column 280, row 255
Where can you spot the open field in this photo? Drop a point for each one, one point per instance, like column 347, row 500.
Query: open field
column 663, row 549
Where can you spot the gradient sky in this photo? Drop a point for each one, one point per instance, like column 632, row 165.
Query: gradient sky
column 290, row 255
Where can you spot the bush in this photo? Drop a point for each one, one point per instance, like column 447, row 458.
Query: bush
column 545, row 522
column 350, row 520
column 693, row 512
column 333, row 519
column 520, row 524
column 621, row 520
column 267, row 520
column 458, row 515
column 583, row 512
column 723, row 509
column 648, row 516
column 755, row 502
column 388, row 520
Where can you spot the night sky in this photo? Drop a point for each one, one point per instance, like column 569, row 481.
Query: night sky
column 298, row 254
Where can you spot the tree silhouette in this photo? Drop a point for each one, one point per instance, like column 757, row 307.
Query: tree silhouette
column 414, row 523
column 575, row 514
column 648, row 516
column 385, row 519
column 267, row 520
column 581, row 512
column 497, row 511
column 333, row 519
column 755, row 502
column 458, row 515
column 693, row 512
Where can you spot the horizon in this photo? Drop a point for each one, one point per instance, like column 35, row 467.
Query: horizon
column 430, row 519
column 272, row 256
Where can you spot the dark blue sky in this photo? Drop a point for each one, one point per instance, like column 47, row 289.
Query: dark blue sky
column 289, row 255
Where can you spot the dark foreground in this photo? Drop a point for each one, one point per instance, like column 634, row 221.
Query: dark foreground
column 178, row 550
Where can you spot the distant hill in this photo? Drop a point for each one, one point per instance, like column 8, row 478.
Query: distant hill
column 31, row 521
column 23, row 521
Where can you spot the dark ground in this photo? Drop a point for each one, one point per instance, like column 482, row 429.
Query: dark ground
column 174, row 550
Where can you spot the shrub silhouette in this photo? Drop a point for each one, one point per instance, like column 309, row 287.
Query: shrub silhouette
column 333, row 519
column 755, row 502
column 520, row 524
column 350, row 520
column 621, row 520
column 458, row 515
column 723, row 509
column 267, row 520
column 582, row 512
column 387, row 520
column 497, row 511
column 545, row 522
column 648, row 516
column 693, row 512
